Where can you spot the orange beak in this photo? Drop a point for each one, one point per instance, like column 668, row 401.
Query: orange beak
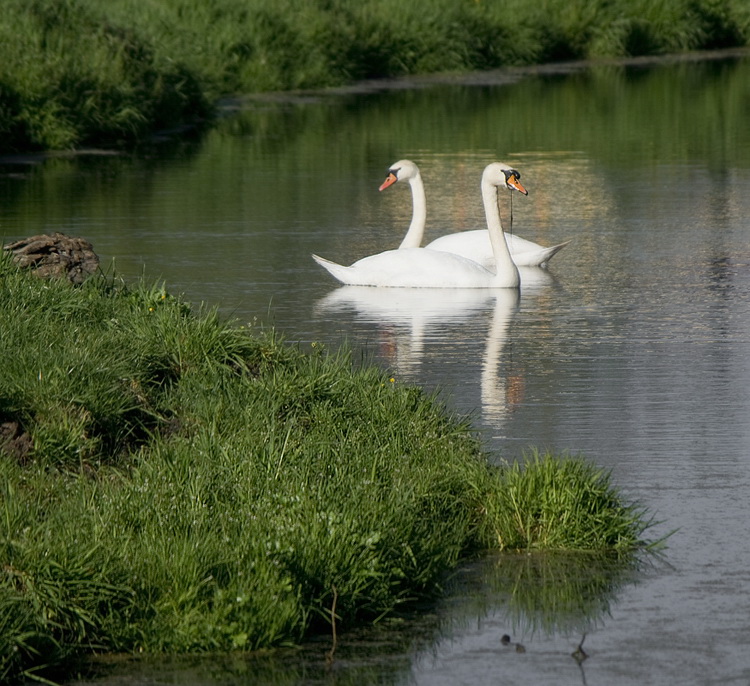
column 514, row 182
column 389, row 181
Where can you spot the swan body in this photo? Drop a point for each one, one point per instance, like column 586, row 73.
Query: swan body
column 474, row 245
column 414, row 267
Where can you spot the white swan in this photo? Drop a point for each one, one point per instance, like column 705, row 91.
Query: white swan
column 423, row 268
column 474, row 245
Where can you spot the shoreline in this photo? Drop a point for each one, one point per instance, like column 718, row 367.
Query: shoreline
column 227, row 106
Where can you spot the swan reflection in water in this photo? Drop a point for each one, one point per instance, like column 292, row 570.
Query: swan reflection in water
column 411, row 319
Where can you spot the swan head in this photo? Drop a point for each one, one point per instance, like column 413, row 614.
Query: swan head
column 503, row 176
column 403, row 170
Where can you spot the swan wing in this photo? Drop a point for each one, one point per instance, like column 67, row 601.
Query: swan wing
column 473, row 245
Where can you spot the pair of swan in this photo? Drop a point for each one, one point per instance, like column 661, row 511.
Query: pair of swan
column 413, row 267
column 474, row 245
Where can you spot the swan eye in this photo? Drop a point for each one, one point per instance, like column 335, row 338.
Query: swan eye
column 512, row 177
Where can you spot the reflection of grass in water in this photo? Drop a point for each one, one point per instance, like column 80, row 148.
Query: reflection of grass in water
column 564, row 593
column 542, row 592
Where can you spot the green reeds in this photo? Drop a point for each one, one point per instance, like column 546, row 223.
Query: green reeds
column 110, row 72
column 560, row 504
column 170, row 482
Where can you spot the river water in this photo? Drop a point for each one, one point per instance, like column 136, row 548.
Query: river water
column 632, row 349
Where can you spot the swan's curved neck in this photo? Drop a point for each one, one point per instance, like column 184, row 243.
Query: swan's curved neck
column 506, row 272
column 413, row 237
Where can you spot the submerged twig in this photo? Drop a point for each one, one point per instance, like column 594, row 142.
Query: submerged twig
column 331, row 652
column 579, row 654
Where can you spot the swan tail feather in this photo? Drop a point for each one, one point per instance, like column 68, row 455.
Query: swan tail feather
column 337, row 271
column 537, row 258
column 553, row 250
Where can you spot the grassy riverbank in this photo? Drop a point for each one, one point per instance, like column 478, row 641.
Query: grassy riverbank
column 109, row 72
column 170, row 482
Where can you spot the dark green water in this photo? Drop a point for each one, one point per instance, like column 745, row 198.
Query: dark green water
column 633, row 351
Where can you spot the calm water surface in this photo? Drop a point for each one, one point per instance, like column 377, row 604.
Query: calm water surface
column 633, row 349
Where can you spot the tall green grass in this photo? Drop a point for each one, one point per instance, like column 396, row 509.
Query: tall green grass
column 170, row 482
column 109, row 72
column 69, row 76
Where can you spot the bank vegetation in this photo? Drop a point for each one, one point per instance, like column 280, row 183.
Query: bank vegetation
column 111, row 72
column 171, row 482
